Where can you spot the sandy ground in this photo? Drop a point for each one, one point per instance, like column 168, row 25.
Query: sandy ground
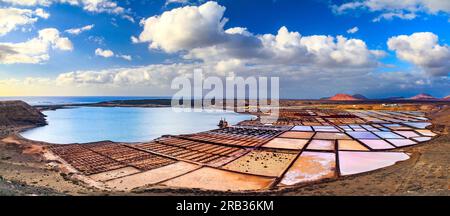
column 24, row 172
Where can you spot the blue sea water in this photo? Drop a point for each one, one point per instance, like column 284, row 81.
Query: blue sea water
column 38, row 100
column 90, row 124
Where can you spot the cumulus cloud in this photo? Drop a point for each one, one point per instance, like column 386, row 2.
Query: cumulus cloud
column 176, row 1
column 153, row 75
column 126, row 57
column 77, row 31
column 34, row 50
column 353, row 30
column 134, row 39
column 198, row 31
column 94, row 6
column 104, row 53
column 396, row 9
column 295, row 82
column 109, row 53
column 11, row 18
column 423, row 50
column 185, row 28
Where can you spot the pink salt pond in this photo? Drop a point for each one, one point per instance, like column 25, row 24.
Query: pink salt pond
column 377, row 144
column 359, row 162
column 296, row 135
column 401, row 142
column 407, row 134
column 310, row 166
column 321, row 145
column 422, row 139
column 285, row 143
column 351, row 145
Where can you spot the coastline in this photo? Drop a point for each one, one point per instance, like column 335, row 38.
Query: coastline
column 31, row 158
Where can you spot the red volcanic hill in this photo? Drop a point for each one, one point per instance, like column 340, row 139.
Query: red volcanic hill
column 422, row 97
column 447, row 98
column 344, row 97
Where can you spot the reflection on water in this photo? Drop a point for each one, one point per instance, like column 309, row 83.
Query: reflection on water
column 90, row 124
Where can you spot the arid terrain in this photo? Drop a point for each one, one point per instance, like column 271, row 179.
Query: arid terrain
column 25, row 171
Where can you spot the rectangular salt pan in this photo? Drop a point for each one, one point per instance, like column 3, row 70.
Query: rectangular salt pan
column 284, row 143
column 401, row 142
column 407, row 134
column 387, row 135
column 426, row 132
column 325, row 128
column 362, row 135
column 310, row 166
column 215, row 179
column 302, row 128
column 265, row 163
column 377, row 144
column 321, row 145
column 422, row 139
column 297, row 135
column 420, row 125
column 330, row 136
column 358, row 162
column 351, row 145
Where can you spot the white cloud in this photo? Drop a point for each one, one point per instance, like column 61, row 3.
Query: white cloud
column 423, row 50
column 29, row 2
column 295, row 81
column 399, row 9
column 198, row 31
column 392, row 15
column 153, row 75
column 353, row 30
column 126, row 57
column 34, row 50
column 77, row 31
column 41, row 13
column 11, row 18
column 97, row 39
column 109, row 53
column 176, row 1
column 95, row 6
column 129, row 18
column 104, row 53
column 185, row 28
column 134, row 40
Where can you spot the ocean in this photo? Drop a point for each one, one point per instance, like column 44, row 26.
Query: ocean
column 49, row 100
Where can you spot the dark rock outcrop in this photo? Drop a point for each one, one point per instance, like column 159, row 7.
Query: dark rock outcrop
column 19, row 114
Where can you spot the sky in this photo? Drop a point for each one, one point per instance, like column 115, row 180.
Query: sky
column 378, row 48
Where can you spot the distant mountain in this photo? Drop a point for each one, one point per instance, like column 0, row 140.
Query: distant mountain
column 343, row 97
column 423, row 96
column 446, row 98
column 359, row 96
column 395, row 98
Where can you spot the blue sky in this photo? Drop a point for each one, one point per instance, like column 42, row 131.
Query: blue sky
column 308, row 66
